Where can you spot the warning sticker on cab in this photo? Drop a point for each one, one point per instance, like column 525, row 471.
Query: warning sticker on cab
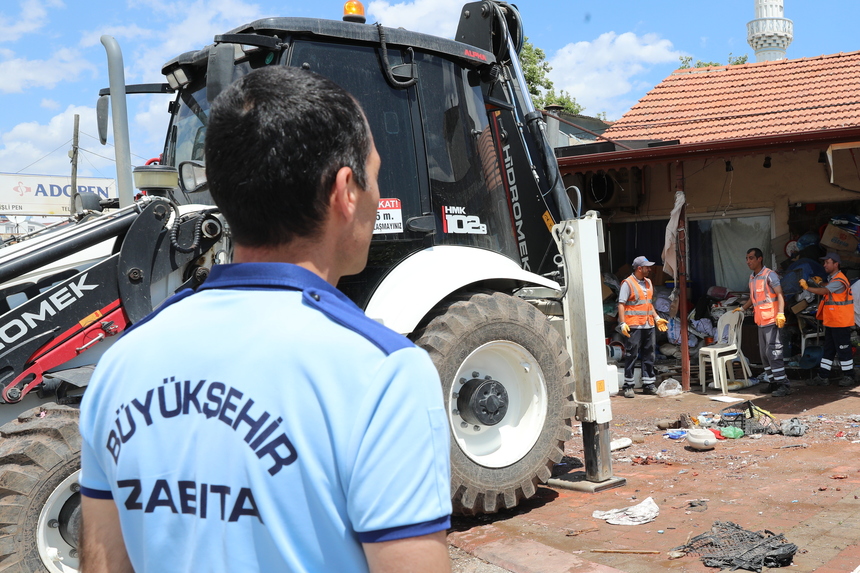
column 389, row 217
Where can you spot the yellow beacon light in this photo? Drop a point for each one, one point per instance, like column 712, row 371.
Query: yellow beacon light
column 353, row 11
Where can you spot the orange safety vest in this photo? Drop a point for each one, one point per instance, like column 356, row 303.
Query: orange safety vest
column 763, row 297
column 837, row 309
column 638, row 310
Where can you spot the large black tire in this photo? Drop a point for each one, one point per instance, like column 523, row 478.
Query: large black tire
column 39, row 453
column 511, row 342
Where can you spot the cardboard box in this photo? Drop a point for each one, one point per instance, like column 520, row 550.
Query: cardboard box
column 799, row 306
column 607, row 292
column 835, row 239
column 849, row 259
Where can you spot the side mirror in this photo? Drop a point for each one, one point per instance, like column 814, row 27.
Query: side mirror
column 102, row 117
column 192, row 177
column 219, row 71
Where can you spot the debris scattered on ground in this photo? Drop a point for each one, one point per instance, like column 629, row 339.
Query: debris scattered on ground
column 793, row 427
column 839, row 476
column 645, row 460
column 669, row 387
column 637, row 514
column 694, row 505
column 732, row 432
column 620, row 444
column 676, row 554
column 634, row 551
column 575, row 532
column 728, row 545
column 668, row 424
column 748, row 417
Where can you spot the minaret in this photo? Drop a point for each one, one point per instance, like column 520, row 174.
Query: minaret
column 769, row 34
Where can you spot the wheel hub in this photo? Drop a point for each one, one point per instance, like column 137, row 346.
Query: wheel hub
column 482, row 402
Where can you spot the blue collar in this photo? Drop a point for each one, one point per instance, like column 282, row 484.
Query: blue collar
column 266, row 276
column 316, row 293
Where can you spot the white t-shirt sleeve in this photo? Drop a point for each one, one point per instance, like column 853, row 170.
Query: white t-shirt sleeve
column 400, row 476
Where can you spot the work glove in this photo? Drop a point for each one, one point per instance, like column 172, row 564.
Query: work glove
column 804, row 285
column 662, row 324
column 625, row 329
column 780, row 319
column 738, row 309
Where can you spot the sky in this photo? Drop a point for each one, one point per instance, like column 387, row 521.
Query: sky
column 606, row 53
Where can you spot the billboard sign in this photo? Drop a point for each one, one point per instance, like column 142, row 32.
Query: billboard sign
column 47, row 194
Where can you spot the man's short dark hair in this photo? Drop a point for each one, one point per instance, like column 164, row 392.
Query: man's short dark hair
column 756, row 253
column 275, row 141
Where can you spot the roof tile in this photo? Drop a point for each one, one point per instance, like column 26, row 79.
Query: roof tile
column 765, row 98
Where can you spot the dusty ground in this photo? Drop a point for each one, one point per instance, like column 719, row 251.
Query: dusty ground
column 806, row 487
column 462, row 562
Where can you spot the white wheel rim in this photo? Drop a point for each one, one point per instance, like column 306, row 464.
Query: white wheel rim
column 53, row 549
column 516, row 434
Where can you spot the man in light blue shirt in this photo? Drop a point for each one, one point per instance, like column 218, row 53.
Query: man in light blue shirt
column 264, row 423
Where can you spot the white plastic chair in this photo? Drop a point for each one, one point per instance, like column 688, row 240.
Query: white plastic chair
column 723, row 352
column 805, row 323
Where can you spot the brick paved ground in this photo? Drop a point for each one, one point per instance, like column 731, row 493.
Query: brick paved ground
column 756, row 483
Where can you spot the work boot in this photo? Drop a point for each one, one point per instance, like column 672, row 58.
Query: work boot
column 783, row 390
column 847, row 381
column 817, row 380
column 768, row 387
column 649, row 389
column 627, row 392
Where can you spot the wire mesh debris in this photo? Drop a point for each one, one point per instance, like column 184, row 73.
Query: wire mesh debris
column 729, row 546
column 748, row 417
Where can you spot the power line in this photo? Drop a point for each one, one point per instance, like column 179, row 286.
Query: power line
column 44, row 156
column 112, row 145
column 97, row 155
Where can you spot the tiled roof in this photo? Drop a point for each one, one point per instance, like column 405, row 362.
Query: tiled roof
column 767, row 98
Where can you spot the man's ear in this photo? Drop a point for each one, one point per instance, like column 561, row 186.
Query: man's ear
column 344, row 194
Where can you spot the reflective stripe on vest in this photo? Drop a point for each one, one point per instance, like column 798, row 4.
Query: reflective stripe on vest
column 638, row 309
column 837, row 309
column 763, row 297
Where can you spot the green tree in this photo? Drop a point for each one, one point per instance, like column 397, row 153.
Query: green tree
column 536, row 71
column 737, row 61
column 687, row 62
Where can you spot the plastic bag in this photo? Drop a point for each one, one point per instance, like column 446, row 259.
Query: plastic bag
column 669, row 387
column 731, row 432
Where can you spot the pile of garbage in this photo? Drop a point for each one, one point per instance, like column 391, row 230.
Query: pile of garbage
column 704, row 430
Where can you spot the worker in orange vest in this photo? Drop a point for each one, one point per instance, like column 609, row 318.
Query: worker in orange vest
column 766, row 297
column 636, row 318
column 836, row 312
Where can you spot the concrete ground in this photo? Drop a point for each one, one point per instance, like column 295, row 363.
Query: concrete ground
column 807, row 488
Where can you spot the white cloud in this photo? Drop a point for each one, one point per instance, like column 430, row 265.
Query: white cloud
column 148, row 126
column 436, row 17
column 599, row 74
column 49, row 103
column 121, row 33
column 33, row 16
column 190, row 27
column 37, row 148
column 20, row 74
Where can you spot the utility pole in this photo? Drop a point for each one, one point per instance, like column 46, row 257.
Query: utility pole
column 73, row 153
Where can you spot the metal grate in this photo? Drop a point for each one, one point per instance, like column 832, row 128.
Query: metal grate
column 748, row 417
column 729, row 546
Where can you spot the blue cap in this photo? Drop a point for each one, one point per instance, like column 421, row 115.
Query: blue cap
column 833, row 257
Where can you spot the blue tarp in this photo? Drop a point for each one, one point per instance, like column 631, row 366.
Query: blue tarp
column 800, row 269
